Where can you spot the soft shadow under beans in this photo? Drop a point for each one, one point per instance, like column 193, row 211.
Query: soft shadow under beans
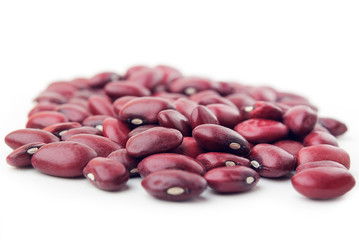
column 255, row 189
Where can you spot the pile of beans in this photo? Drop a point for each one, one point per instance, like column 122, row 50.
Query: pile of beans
column 181, row 135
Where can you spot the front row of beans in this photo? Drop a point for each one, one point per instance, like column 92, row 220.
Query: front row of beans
column 181, row 135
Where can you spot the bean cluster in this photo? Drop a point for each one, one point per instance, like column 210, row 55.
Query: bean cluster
column 180, row 134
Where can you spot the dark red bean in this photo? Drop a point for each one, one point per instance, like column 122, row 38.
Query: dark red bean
column 134, row 69
column 225, row 88
column 100, row 80
column 202, row 115
column 174, row 185
column 120, row 102
column 259, row 130
column 191, row 85
column 334, row 126
column 319, row 137
column 161, row 161
column 262, row 109
column 185, row 106
column 292, row 100
column 227, row 116
column 21, row 156
column 52, row 97
column 241, row 100
column 153, row 140
column 198, row 96
column 216, row 99
column 300, row 119
column 59, row 129
column 119, row 89
column 323, row 163
column 173, row 119
column 232, row 179
column 102, row 145
column 43, row 106
column 116, row 130
column 99, row 105
column 169, row 96
column 80, row 83
column 80, row 130
column 73, row 112
column 45, row 119
column 189, row 147
column 128, row 161
column 66, row 89
column 263, row 93
column 271, row 161
column 323, row 182
column 106, row 174
column 169, row 74
column 140, row 129
column 144, row 110
column 319, row 128
column 217, row 138
column 147, row 77
column 62, row 159
column 80, row 102
column 95, row 121
column 291, row 146
column 21, row 137
column 212, row 160
column 323, row 152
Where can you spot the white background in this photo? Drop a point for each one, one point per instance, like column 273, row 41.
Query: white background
column 307, row 47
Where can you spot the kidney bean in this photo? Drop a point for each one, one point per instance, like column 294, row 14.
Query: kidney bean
column 241, row 100
column 202, row 115
column 319, row 128
column 323, row 182
column 116, row 130
column 232, row 179
column 191, row 85
column 173, row 119
column 106, row 174
column 87, row 93
column 99, row 105
column 227, row 116
column 42, row 106
column 59, row 129
column 66, row 89
column 153, row 140
column 128, row 161
column 323, row 152
column 100, row 80
column 21, row 137
column 185, row 106
column 119, row 89
column 120, row 102
column 174, row 185
column 217, row 138
column 80, row 130
column 291, row 146
column 80, row 102
column 271, row 161
column 140, row 129
column 323, row 163
column 73, row 112
column 62, row 159
column 95, row 121
column 198, row 96
column 319, row 137
column 169, row 74
column 225, row 88
column 295, row 100
column 144, row 110
column 335, row 127
column 259, row 130
column 262, row 109
column 45, row 119
column 263, row 93
column 189, row 147
column 300, row 119
column 212, row 160
column 21, row 156
column 103, row 146
column 146, row 77
column 80, row 83
column 52, row 97
column 169, row 96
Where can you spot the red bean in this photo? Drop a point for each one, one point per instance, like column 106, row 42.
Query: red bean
column 262, row 109
column 43, row 106
column 64, row 88
column 80, row 130
column 21, row 137
column 334, row 126
column 225, row 88
column 323, row 152
column 154, row 140
column 174, row 185
column 191, row 85
column 106, row 174
column 52, row 97
column 169, row 96
column 319, row 137
column 323, row 182
column 45, row 119
column 147, row 77
column 202, row 115
column 103, row 146
column 95, row 121
column 169, row 74
column 73, row 112
column 291, row 146
column 59, row 129
column 62, row 159
column 300, row 119
column 99, row 105
column 323, row 163
column 271, row 161
column 80, row 83
column 134, row 69
column 241, row 100
column 21, row 156
column 128, row 161
column 173, row 119
column 217, row 138
column 263, row 93
column 115, row 130
column 185, row 106
column 140, row 129
column 189, row 147
column 120, row 102
column 227, row 116
column 100, row 80
column 259, row 130
column 232, row 179
column 119, row 89
column 212, row 160
column 80, row 102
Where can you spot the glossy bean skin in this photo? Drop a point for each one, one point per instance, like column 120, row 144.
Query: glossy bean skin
column 300, row 119
column 217, row 138
column 191, row 85
column 21, row 137
column 169, row 96
column 133, row 69
column 106, row 174
column 232, row 179
column 185, row 106
column 147, row 77
column 59, row 129
column 80, row 83
column 162, row 161
column 271, row 161
column 100, row 80
column 173, row 119
column 21, row 156
column 323, row 152
column 334, row 126
column 154, row 140
column 52, row 97
column 80, row 130
column 319, row 137
column 212, row 160
column 262, row 109
column 80, row 102
column 128, row 161
column 227, row 116
column 241, row 100
column 74, row 113
column 259, row 130
column 103, row 146
column 323, row 163
column 169, row 74
column 115, row 130
column 120, row 102
column 119, row 89
column 263, row 93
column 144, row 110
column 62, row 159
column 202, row 115
column 140, row 129
column 174, row 185
column 291, row 146
column 64, row 88
column 45, row 119
column 99, row 105
column 189, row 147
column 95, row 121
column 43, row 106
column 323, row 182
